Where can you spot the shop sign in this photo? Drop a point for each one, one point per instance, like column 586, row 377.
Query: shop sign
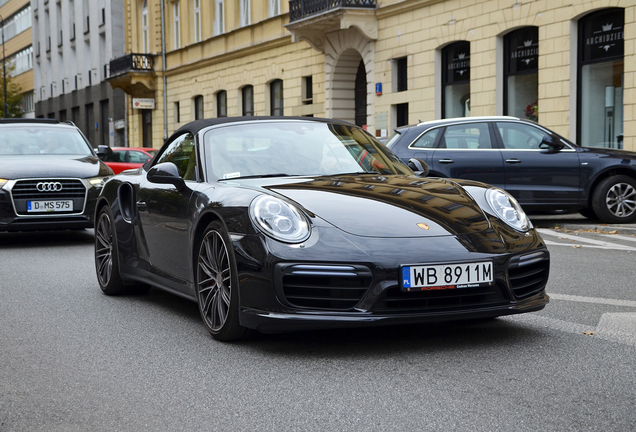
column 523, row 50
column 458, row 62
column 141, row 103
column 603, row 35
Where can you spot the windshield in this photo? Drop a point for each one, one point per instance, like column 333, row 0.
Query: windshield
column 42, row 140
column 295, row 148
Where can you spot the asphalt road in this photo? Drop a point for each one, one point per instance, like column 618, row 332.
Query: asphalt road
column 73, row 359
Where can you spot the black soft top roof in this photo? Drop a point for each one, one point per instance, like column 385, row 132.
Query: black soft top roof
column 197, row 125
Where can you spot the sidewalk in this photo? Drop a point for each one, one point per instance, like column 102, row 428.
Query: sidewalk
column 574, row 222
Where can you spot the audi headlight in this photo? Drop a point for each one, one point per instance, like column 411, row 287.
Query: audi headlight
column 279, row 219
column 98, row 182
column 2, row 182
column 507, row 209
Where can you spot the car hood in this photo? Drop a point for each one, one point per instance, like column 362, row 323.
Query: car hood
column 386, row 206
column 614, row 153
column 38, row 166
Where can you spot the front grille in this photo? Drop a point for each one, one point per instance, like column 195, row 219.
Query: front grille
column 528, row 274
column 395, row 300
column 325, row 287
column 27, row 189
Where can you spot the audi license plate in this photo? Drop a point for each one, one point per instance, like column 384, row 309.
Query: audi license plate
column 447, row 276
column 50, row 206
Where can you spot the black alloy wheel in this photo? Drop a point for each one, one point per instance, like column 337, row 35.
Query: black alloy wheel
column 106, row 263
column 614, row 200
column 217, row 284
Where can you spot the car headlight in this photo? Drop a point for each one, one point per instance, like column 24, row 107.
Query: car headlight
column 2, row 182
column 507, row 209
column 98, row 182
column 279, row 219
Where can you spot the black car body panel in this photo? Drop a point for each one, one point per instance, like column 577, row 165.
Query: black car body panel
column 364, row 227
column 541, row 178
column 29, row 175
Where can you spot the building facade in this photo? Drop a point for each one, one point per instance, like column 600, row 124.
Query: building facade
column 570, row 66
column 17, row 48
column 74, row 41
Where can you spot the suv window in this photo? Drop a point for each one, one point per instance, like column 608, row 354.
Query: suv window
column 519, row 136
column 427, row 140
column 467, row 136
column 181, row 153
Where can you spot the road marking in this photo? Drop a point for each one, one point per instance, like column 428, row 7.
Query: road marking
column 592, row 243
column 595, row 300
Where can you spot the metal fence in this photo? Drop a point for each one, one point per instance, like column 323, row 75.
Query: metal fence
column 131, row 62
column 299, row 9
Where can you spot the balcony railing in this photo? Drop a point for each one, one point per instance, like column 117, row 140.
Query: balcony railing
column 299, row 9
column 131, row 62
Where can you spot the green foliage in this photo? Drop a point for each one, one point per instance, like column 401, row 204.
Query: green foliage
column 14, row 93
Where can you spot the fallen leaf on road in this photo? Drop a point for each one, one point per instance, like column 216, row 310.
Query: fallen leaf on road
column 588, row 333
column 577, row 246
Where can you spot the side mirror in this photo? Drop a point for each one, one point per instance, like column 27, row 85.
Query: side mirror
column 103, row 151
column 549, row 142
column 166, row 173
column 419, row 167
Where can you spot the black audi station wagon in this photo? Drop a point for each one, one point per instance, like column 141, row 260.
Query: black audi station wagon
column 49, row 176
column 540, row 168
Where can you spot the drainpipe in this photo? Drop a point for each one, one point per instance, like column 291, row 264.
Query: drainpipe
column 163, row 67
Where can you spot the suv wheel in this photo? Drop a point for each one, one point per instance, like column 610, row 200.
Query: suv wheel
column 614, row 200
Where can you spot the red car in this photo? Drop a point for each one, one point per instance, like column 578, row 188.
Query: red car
column 123, row 158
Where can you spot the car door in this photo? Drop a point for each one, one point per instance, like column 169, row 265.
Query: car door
column 538, row 176
column 468, row 151
column 164, row 209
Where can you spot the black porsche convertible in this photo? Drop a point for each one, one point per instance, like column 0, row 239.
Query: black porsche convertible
column 280, row 224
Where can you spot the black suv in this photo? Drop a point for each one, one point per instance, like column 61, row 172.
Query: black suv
column 541, row 169
column 50, row 176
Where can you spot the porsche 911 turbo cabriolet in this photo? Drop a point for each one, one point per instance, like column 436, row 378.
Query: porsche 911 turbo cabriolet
column 279, row 224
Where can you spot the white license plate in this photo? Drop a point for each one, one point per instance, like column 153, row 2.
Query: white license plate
column 447, row 276
column 50, row 206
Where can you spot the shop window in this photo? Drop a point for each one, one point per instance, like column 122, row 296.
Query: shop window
column 521, row 73
column 247, row 99
column 276, row 97
column 456, row 80
column 221, row 104
column 198, row 107
column 600, row 79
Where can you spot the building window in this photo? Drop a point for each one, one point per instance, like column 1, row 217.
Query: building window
column 276, row 97
column 521, row 73
column 26, row 104
column 197, row 21
column 198, row 107
column 177, row 26
column 274, row 8
column 145, row 47
column 177, row 113
column 17, row 23
column 221, row 104
column 601, row 81
column 245, row 13
column 308, row 90
column 400, row 77
column 247, row 98
column 402, row 114
column 21, row 61
column 218, row 26
column 456, row 80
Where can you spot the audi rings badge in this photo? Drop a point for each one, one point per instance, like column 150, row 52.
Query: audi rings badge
column 49, row 186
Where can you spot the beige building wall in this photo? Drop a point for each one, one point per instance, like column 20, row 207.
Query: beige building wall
column 416, row 29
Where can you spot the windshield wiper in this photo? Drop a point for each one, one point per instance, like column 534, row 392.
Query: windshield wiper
column 260, row 176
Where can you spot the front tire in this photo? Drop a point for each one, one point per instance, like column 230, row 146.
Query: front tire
column 216, row 282
column 614, row 200
column 106, row 259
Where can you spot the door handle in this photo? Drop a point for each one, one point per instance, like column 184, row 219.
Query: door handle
column 513, row 161
column 141, row 206
column 446, row 161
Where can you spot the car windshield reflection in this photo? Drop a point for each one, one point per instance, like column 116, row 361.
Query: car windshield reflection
column 42, row 141
column 278, row 149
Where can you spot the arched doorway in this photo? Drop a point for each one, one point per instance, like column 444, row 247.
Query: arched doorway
column 349, row 94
